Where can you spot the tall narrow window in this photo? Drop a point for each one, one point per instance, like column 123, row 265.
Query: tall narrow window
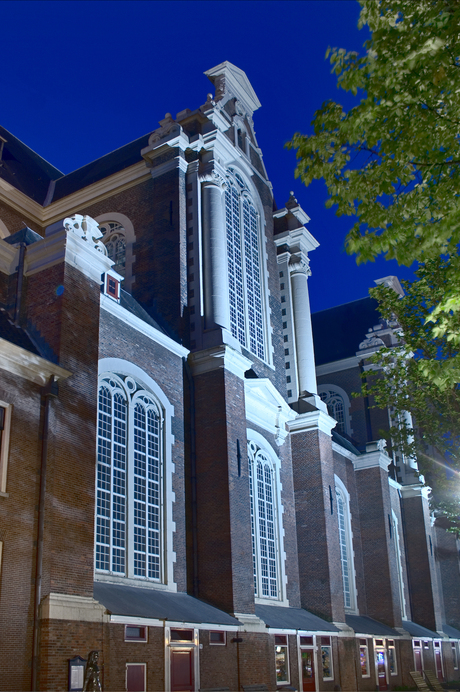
column 244, row 267
column 263, row 523
column 338, row 405
column 129, row 480
column 346, row 546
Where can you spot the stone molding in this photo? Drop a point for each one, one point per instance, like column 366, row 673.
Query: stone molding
column 19, row 361
column 416, row 490
column 57, row 606
column 313, row 420
column 372, row 460
column 266, row 408
column 219, row 357
column 9, row 256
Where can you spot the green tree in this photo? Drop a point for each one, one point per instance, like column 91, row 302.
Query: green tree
column 404, row 383
column 393, row 161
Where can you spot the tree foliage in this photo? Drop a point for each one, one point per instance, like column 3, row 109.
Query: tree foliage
column 393, row 161
column 406, row 384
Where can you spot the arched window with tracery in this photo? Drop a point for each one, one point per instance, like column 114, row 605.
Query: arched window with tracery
column 338, row 405
column 264, row 518
column 244, row 266
column 114, row 239
column 346, row 546
column 129, row 530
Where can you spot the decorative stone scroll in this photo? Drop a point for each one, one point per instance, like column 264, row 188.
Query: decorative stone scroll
column 299, row 265
column 87, row 229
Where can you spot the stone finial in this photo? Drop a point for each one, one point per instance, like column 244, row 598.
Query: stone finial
column 292, row 202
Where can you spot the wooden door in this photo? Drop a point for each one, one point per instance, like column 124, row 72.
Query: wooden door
column 182, row 670
column 135, row 677
column 418, row 660
column 380, row 665
column 308, row 670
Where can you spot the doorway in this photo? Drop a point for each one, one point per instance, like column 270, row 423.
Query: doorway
column 307, row 657
column 381, row 667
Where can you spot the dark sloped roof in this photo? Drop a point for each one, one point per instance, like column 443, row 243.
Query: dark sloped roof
column 337, row 332
column 343, row 442
column 418, row 630
column 362, row 624
column 451, row 631
column 24, row 169
column 130, row 304
column 293, row 619
column 161, row 605
column 15, row 335
column 117, row 160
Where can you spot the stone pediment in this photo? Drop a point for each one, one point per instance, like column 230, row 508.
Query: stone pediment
column 229, row 81
column 266, row 408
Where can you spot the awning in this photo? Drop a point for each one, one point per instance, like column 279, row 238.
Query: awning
column 418, row 630
column 160, row 605
column 293, row 619
column 362, row 624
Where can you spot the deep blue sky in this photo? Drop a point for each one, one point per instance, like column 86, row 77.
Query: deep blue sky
column 83, row 78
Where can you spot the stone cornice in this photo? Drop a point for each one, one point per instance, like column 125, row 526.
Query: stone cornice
column 115, row 309
column 219, row 357
column 107, row 187
column 313, row 420
column 337, row 366
column 298, row 240
column 57, row 606
column 19, row 361
column 416, row 490
column 371, row 460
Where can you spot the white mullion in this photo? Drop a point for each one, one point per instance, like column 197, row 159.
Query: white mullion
column 130, row 489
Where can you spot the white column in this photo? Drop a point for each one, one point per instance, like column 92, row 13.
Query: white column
column 216, row 308
column 299, row 272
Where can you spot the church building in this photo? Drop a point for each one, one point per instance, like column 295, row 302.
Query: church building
column 187, row 485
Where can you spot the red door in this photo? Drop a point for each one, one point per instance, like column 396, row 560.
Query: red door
column 308, row 670
column 135, row 677
column 182, row 670
column 437, row 657
column 418, row 660
column 381, row 669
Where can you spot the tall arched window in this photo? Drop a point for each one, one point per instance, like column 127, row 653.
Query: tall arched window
column 129, row 525
column 244, row 267
column 264, row 518
column 338, row 405
column 346, row 546
column 115, row 242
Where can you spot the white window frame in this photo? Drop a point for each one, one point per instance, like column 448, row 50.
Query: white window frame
column 5, row 445
column 261, row 443
column 341, row 490
column 322, row 646
column 454, row 645
column 399, row 567
column 324, row 389
column 130, row 664
column 193, row 645
column 125, row 368
column 364, row 646
column 245, row 190
column 437, row 645
column 286, row 650
column 141, row 640
column 220, row 632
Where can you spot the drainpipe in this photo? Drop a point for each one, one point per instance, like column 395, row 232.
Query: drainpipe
column 50, row 390
column 195, row 589
column 20, row 268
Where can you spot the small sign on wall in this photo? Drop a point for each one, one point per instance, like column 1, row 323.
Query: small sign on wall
column 77, row 667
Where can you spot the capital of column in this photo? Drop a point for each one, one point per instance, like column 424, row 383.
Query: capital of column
column 299, row 265
column 213, row 178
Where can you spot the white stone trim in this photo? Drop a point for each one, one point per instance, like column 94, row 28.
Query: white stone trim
column 416, row 490
column 4, row 232
column 341, row 488
column 337, row 366
column 8, row 257
column 5, row 446
column 117, row 365
column 372, row 460
column 266, row 408
column 135, row 322
column 313, row 420
column 96, row 192
column 57, row 606
column 220, row 357
column 343, row 452
column 19, row 361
